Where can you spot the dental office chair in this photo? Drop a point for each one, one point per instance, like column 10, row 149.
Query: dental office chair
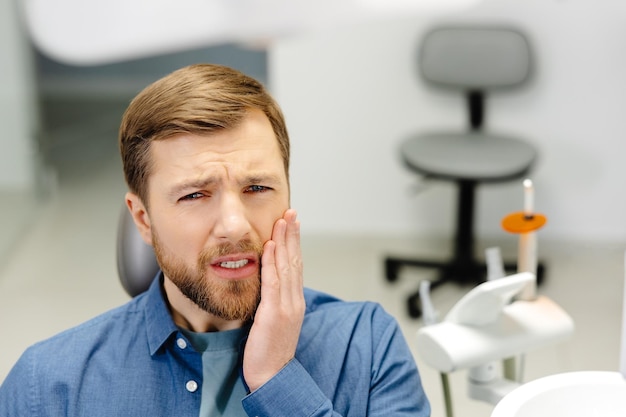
column 136, row 262
column 473, row 61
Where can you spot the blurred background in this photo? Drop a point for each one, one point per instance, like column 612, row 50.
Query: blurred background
column 350, row 92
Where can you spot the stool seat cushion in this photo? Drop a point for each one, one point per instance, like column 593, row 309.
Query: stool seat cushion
column 473, row 156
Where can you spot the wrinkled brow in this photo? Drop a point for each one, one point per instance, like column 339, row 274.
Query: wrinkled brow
column 269, row 179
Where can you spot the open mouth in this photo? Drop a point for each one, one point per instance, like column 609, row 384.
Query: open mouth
column 234, row 264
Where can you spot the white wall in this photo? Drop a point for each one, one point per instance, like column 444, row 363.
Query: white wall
column 351, row 95
column 17, row 157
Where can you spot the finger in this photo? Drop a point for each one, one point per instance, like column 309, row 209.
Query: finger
column 287, row 259
column 278, row 253
column 269, row 273
column 279, row 238
column 281, row 254
column 292, row 235
column 294, row 251
column 290, row 215
column 291, row 282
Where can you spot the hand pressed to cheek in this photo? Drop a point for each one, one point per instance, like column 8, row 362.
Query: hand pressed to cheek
column 277, row 323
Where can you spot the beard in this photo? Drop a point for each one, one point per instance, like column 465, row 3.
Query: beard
column 228, row 300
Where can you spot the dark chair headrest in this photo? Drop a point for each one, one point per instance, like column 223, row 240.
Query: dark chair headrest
column 136, row 262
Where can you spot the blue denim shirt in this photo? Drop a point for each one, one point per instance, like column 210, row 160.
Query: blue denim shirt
column 351, row 360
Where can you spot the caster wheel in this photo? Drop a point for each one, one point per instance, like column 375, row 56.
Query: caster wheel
column 391, row 270
column 414, row 306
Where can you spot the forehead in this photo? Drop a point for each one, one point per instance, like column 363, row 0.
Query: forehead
column 250, row 146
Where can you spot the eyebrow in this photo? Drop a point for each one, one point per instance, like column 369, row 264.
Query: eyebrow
column 261, row 179
column 198, row 184
column 178, row 189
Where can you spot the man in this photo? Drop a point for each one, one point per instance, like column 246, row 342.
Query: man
column 226, row 329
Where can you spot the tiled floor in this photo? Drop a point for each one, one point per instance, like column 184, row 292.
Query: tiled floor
column 62, row 271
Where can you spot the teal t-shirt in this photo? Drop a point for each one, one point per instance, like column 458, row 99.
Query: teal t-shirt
column 222, row 386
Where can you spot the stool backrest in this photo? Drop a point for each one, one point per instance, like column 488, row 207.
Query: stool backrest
column 475, row 57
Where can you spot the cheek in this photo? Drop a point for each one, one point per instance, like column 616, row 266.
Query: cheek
column 183, row 238
column 266, row 225
column 266, row 232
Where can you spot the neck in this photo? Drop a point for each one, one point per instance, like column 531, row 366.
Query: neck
column 189, row 316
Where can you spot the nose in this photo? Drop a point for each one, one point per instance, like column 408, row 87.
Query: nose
column 232, row 223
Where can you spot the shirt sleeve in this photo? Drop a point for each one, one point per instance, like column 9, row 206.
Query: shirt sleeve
column 299, row 395
column 395, row 387
column 17, row 389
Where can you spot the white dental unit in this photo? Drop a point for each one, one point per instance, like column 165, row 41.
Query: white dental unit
column 502, row 319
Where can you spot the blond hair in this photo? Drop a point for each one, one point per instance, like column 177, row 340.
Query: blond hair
column 198, row 99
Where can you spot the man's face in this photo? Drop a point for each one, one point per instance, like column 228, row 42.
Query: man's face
column 213, row 203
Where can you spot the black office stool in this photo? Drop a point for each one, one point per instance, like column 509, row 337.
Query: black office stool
column 473, row 60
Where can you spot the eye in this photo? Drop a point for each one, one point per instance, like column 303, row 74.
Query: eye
column 192, row 196
column 257, row 189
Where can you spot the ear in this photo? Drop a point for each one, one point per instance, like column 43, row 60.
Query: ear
column 140, row 216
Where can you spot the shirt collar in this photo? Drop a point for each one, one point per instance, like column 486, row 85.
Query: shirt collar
column 159, row 323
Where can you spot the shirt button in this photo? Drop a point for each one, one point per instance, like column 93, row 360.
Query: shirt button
column 191, row 386
column 181, row 343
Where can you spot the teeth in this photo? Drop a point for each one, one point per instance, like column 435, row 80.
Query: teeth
column 234, row 264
